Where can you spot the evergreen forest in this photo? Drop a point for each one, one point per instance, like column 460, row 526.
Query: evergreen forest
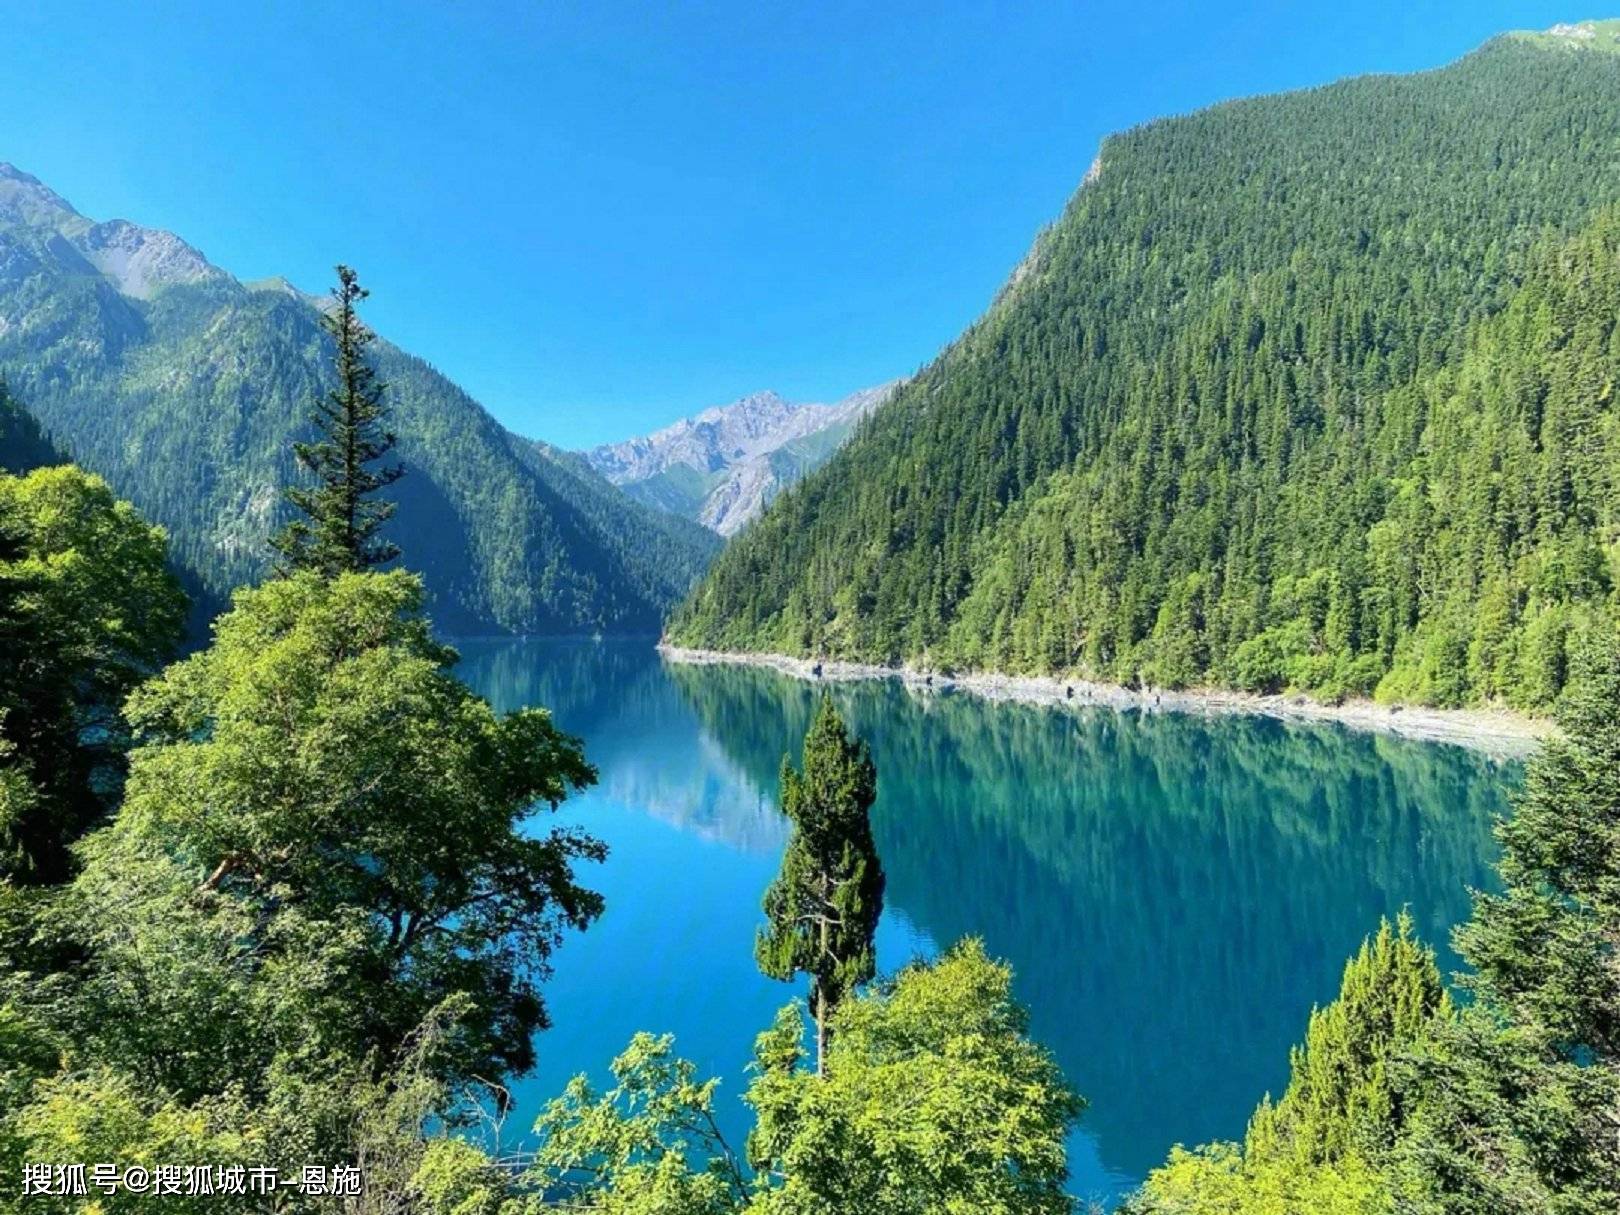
column 231, row 935
column 1311, row 391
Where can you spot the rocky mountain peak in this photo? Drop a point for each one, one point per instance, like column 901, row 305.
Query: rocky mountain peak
column 24, row 199
column 722, row 465
column 768, row 403
column 137, row 261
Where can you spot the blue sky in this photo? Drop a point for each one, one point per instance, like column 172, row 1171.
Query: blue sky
column 600, row 217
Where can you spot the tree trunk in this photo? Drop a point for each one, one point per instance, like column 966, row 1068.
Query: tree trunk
column 820, row 1002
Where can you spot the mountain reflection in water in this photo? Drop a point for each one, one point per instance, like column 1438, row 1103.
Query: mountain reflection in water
column 1175, row 892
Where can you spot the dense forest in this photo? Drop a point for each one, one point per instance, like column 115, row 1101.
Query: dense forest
column 1312, row 391
column 185, row 388
column 241, row 970
column 234, row 947
column 23, row 445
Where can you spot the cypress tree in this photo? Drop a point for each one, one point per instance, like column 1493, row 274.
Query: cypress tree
column 822, row 910
column 340, row 534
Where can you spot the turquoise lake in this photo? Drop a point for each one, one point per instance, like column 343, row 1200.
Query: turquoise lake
column 1174, row 891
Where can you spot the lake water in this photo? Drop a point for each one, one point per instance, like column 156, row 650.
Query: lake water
column 1173, row 891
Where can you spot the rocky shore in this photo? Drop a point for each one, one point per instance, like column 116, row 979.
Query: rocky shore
column 1502, row 734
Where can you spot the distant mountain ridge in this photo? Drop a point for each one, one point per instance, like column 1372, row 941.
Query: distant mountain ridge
column 722, row 466
column 184, row 387
column 136, row 261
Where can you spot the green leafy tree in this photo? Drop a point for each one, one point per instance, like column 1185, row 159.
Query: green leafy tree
column 326, row 837
column 87, row 610
column 650, row 1145
column 931, row 1098
column 340, row 534
column 382, row 1124
column 1220, row 1180
column 822, row 910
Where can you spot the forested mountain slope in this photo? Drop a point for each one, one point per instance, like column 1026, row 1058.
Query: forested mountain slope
column 184, row 388
column 1313, row 390
column 23, row 445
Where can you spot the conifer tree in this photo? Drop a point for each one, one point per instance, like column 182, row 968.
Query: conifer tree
column 340, row 534
column 1323, row 1148
column 823, row 908
column 1522, row 1097
column 1340, row 1098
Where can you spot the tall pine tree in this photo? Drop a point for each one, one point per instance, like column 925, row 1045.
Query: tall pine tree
column 823, row 908
column 1521, row 1098
column 340, row 533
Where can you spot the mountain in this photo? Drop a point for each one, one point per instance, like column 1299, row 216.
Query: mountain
column 723, row 466
column 184, row 388
column 1313, row 390
column 23, row 445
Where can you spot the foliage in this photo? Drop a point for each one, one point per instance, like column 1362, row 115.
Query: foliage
column 1524, row 1105
column 823, row 908
column 320, row 910
column 1219, row 1180
column 453, row 1177
column 932, row 1099
column 632, row 1149
column 343, row 518
column 1300, row 391
column 87, row 609
column 100, row 1116
column 1323, row 1147
column 323, row 803
column 378, row 1124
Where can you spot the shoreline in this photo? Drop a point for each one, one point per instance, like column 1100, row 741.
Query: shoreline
column 1499, row 734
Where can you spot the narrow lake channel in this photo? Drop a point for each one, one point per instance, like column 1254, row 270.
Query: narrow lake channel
column 1174, row 891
